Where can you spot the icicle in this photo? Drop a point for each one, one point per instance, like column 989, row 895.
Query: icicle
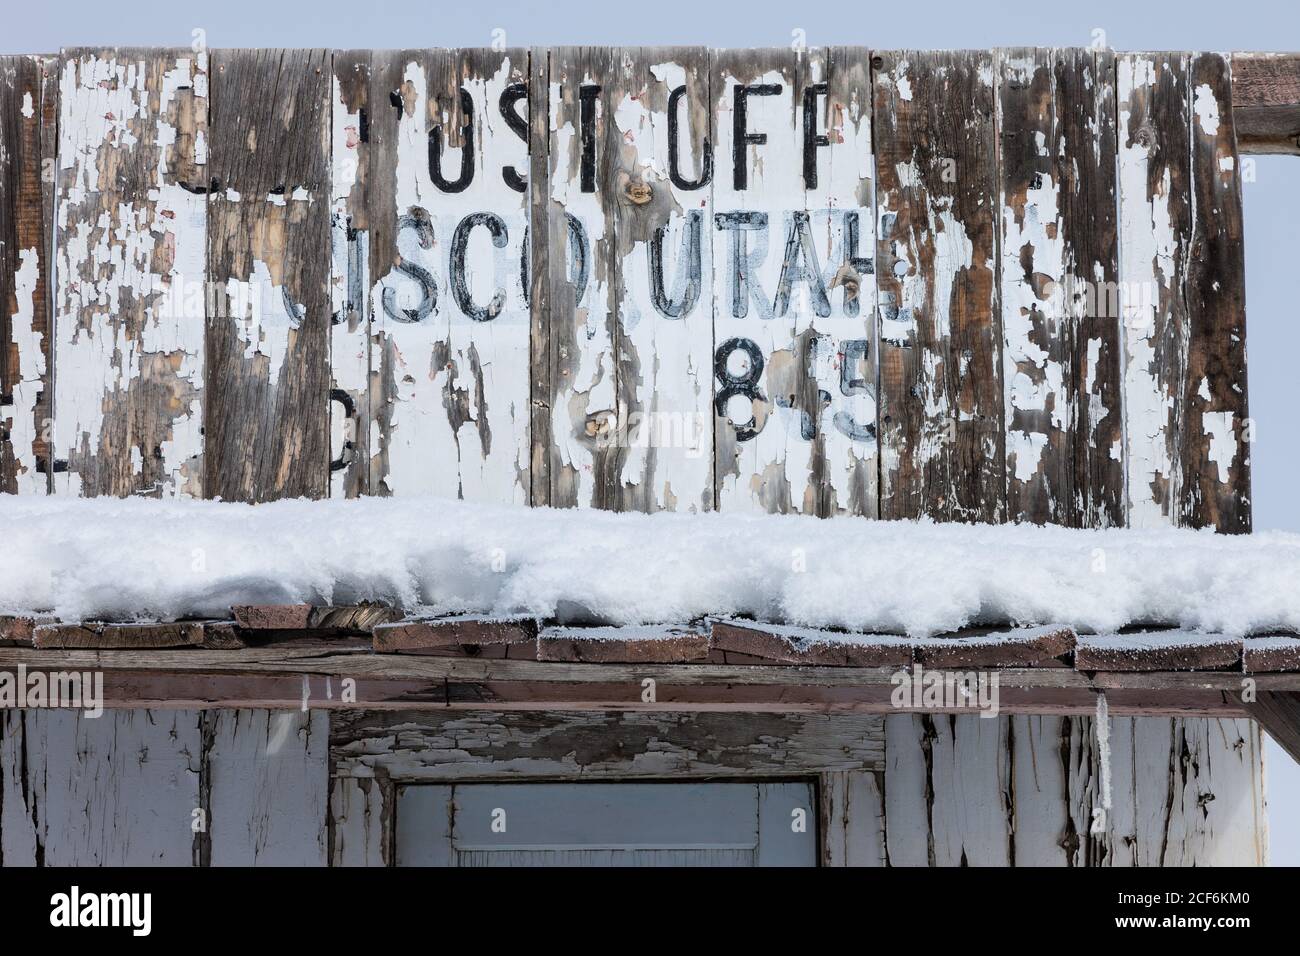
column 1102, row 728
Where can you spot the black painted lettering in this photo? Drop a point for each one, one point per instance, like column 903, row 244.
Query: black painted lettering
column 811, row 138
column 745, row 384
column 742, row 262
column 510, row 96
column 686, row 288
column 496, row 227
column 588, row 93
column 674, row 138
column 741, row 136
column 461, row 182
column 417, row 220
column 800, row 265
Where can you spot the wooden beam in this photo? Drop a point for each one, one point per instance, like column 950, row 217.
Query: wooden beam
column 322, row 676
column 1279, row 714
column 1266, row 102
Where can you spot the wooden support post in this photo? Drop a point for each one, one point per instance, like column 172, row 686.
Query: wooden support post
column 1278, row 712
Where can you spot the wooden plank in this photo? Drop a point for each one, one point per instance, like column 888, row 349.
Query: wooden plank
column 1266, row 102
column 1196, row 797
column 441, row 746
column 838, row 469
column 118, row 636
column 1182, row 294
column 461, row 634
column 1030, row 791
column 1018, row 647
column 28, row 125
column 1086, row 129
column 129, row 297
column 1158, row 651
column 360, row 822
column 352, row 405
column 757, row 194
column 659, row 182
column 351, row 618
column 942, row 448
column 790, row 645
column 117, row 790
column 17, row 629
column 851, row 820
column 1036, row 337
column 1213, row 444
column 1042, row 812
column 1276, row 653
column 1279, row 714
column 662, row 645
column 268, row 787
column 581, row 286
column 541, row 360
column 267, row 427
column 1060, row 357
column 794, row 328
column 449, row 213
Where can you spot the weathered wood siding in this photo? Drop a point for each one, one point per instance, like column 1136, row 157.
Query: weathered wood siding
column 901, row 790
column 268, row 336
column 171, row 787
column 1060, row 350
column 250, row 787
column 1182, row 293
column 130, row 232
column 977, row 286
column 941, row 391
column 28, row 125
column 447, row 215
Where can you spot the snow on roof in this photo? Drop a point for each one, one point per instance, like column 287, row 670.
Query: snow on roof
column 136, row 559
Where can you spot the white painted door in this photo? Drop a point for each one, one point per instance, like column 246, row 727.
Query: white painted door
column 607, row 824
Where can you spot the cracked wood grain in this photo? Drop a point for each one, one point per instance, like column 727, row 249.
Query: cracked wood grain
column 582, row 279
column 1183, row 294
column 268, row 339
column 795, row 359
column 941, row 414
column 448, row 166
column 1059, row 298
column 660, row 184
column 28, row 125
column 129, row 297
column 354, row 400
column 1027, row 791
column 1087, row 129
column 1216, row 429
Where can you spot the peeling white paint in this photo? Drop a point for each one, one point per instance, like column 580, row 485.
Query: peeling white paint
column 668, row 432
column 1034, row 310
column 28, row 382
column 350, row 320
column 145, row 252
column 1150, row 251
column 443, row 361
column 1219, row 429
column 1206, row 107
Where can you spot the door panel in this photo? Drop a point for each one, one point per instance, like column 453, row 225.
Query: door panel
column 619, row 824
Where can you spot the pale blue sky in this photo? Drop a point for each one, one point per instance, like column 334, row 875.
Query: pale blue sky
column 1272, row 200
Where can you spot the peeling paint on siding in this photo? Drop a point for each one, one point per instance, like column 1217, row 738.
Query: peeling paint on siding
column 129, row 300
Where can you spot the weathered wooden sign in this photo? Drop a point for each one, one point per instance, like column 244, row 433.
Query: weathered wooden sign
column 989, row 285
